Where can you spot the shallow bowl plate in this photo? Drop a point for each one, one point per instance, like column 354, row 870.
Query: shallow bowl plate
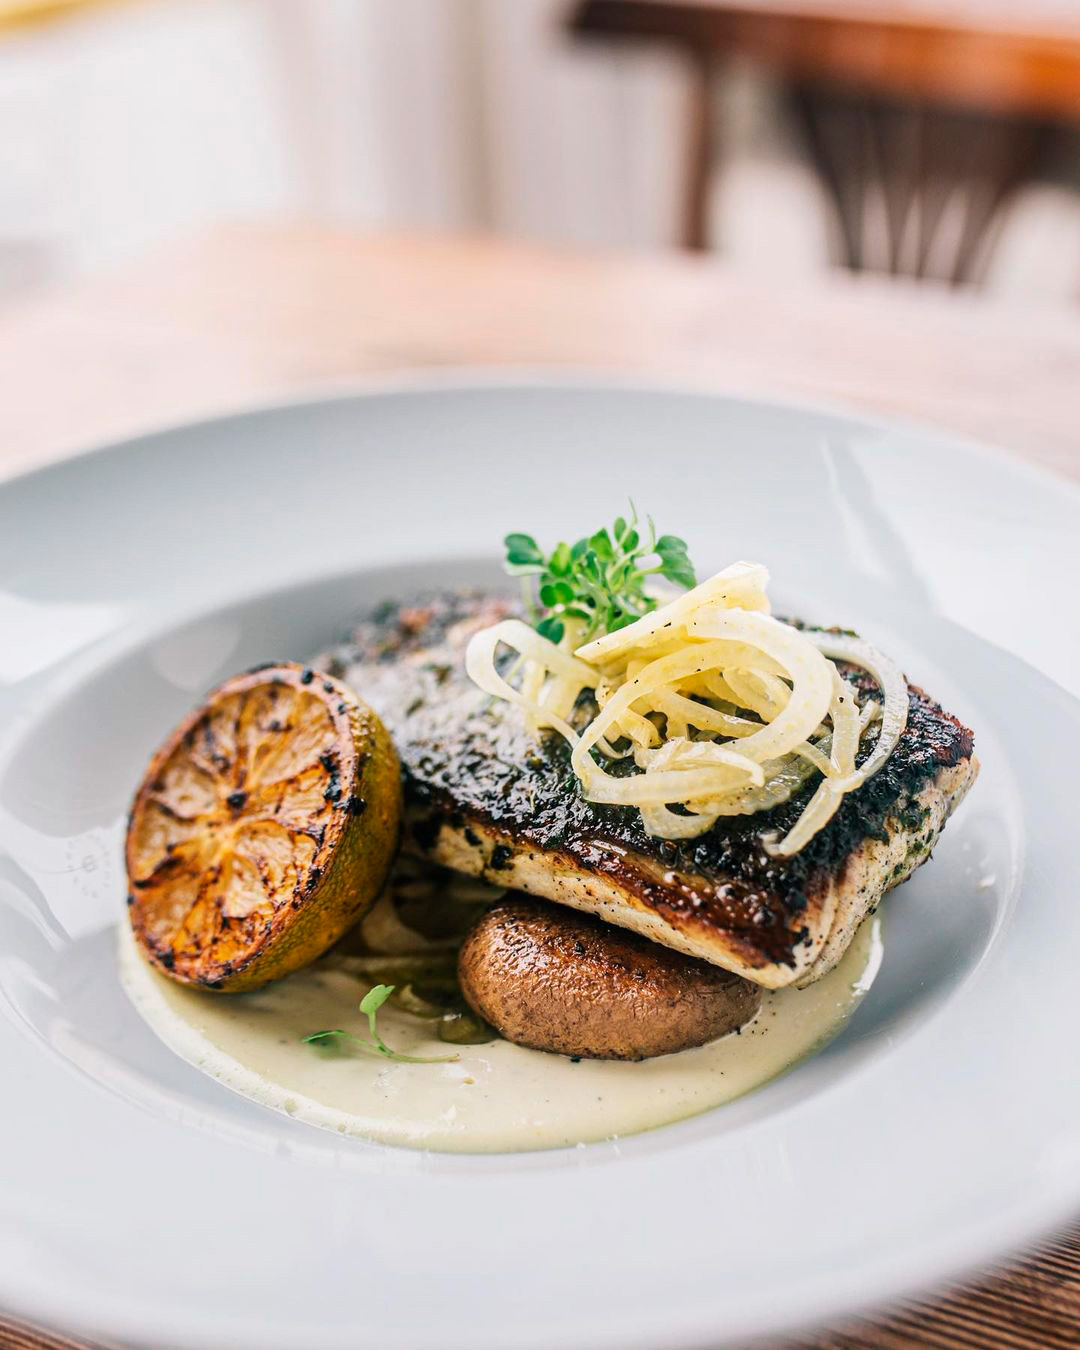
column 142, row 1201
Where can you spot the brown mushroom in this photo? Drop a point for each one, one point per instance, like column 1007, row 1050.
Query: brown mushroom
column 555, row 979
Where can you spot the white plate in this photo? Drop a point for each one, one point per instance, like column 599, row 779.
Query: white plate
column 140, row 1200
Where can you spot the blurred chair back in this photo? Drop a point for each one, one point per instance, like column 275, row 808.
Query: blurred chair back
column 921, row 123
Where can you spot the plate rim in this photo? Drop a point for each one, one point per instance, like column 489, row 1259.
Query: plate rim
column 548, row 378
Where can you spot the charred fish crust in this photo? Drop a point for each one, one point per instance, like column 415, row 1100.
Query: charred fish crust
column 471, row 767
column 397, row 630
column 486, row 766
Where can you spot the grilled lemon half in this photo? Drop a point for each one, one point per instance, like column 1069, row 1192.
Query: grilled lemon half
column 264, row 828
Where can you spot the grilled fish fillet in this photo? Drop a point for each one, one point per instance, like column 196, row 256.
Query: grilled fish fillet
column 485, row 798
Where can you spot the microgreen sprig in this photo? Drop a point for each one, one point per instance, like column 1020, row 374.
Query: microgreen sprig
column 374, row 1045
column 599, row 580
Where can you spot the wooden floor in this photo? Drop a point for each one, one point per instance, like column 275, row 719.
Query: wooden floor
column 1035, row 1303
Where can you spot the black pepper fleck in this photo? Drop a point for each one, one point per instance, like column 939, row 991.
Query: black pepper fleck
column 500, row 857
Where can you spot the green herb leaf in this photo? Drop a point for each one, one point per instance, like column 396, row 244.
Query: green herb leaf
column 554, row 593
column 680, row 574
column 369, row 1006
column 599, row 581
column 552, row 629
column 524, row 546
column 669, row 544
column 373, row 1001
column 375, row 1045
column 561, row 561
column 601, row 545
column 523, row 555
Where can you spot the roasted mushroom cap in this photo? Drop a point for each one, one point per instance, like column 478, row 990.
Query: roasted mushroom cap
column 554, row 979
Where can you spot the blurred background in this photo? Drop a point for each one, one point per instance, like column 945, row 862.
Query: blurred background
column 929, row 138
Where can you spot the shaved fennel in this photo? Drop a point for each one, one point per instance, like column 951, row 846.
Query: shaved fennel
column 723, row 709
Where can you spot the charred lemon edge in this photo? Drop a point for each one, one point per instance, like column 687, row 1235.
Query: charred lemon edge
column 352, row 862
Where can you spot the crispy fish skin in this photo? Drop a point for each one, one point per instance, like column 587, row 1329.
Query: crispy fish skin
column 484, row 797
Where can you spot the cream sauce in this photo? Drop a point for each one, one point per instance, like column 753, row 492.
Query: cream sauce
column 495, row 1098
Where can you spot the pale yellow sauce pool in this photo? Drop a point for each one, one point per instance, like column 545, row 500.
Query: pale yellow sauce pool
column 497, row 1097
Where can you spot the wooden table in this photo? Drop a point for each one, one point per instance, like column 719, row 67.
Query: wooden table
column 258, row 313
